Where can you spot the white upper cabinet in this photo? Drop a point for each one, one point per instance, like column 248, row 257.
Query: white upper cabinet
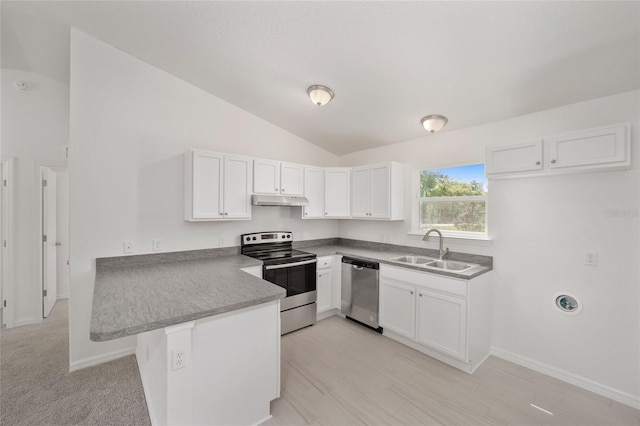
column 237, row 187
column 277, row 178
column 360, row 193
column 266, row 177
column 378, row 191
column 217, row 186
column 519, row 157
column 602, row 148
column 337, row 199
column 291, row 179
column 314, row 192
column 595, row 148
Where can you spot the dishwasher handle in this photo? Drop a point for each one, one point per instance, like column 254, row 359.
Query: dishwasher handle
column 360, row 264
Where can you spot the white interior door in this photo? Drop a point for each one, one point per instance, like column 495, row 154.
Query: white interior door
column 49, row 255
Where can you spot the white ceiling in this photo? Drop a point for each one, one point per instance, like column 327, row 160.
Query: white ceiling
column 389, row 63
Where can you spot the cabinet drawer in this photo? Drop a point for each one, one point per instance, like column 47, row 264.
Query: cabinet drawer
column 448, row 285
column 325, row 262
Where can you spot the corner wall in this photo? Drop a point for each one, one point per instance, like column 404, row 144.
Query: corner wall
column 130, row 125
column 541, row 229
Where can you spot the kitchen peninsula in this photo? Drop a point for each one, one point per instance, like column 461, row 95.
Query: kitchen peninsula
column 208, row 333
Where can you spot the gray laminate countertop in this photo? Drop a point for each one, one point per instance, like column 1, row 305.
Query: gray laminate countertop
column 132, row 296
column 381, row 253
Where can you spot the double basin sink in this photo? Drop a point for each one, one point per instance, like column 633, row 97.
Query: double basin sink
column 429, row 263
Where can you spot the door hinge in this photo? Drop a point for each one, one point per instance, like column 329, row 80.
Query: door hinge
column 44, row 293
column 4, row 182
column 4, row 243
column 44, row 238
column 4, row 303
column 44, row 182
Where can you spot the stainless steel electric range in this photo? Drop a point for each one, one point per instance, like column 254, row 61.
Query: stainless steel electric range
column 291, row 269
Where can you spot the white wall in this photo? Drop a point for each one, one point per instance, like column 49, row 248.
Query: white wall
column 35, row 129
column 130, row 125
column 541, row 229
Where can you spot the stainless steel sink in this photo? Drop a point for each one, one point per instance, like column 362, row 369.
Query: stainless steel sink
column 430, row 263
column 448, row 265
column 412, row 260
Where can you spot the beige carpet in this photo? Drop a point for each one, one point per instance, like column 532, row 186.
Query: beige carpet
column 36, row 387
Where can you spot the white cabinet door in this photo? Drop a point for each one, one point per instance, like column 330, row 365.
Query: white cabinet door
column 337, row 199
column 314, row 191
column 442, row 323
column 266, row 176
column 323, row 284
column 594, row 147
column 237, row 187
column 360, row 193
column 398, row 308
column 520, row 157
column 203, row 185
column 291, row 178
column 380, row 184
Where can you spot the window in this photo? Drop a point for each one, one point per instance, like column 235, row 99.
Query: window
column 454, row 200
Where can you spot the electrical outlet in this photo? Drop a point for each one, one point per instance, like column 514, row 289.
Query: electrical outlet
column 157, row 244
column 591, row 258
column 179, row 358
column 128, row 247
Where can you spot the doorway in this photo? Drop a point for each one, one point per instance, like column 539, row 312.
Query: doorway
column 55, row 231
column 6, row 243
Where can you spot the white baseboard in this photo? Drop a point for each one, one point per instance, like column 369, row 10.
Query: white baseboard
column 327, row 314
column 62, row 296
column 101, row 359
column 26, row 321
column 565, row 376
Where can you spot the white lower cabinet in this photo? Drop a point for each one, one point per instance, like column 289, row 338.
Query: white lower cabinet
column 447, row 318
column 324, row 290
column 398, row 307
column 442, row 323
column 327, row 286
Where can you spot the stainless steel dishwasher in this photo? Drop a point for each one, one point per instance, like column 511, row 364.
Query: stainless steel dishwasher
column 360, row 291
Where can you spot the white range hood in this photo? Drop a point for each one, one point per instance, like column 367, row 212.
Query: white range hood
column 279, row 200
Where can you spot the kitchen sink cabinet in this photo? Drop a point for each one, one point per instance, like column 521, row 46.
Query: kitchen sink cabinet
column 277, row 178
column 442, row 322
column 447, row 318
column 598, row 149
column 398, row 307
column 217, row 186
column 378, row 191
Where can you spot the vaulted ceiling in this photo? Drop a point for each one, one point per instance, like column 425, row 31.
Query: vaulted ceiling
column 389, row 63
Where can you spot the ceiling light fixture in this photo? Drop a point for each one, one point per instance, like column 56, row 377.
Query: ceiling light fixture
column 434, row 123
column 320, row 95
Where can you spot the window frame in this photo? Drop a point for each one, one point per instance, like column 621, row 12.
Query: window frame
column 415, row 207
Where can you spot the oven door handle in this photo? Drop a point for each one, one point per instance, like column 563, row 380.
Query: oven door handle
column 290, row 265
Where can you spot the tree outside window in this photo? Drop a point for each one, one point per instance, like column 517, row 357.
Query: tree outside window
column 454, row 199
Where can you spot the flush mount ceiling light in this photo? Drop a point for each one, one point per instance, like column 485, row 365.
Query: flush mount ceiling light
column 433, row 123
column 320, row 95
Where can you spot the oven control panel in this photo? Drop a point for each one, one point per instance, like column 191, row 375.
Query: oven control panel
column 266, row 237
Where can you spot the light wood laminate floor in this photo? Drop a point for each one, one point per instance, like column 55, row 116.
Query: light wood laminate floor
column 340, row 373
